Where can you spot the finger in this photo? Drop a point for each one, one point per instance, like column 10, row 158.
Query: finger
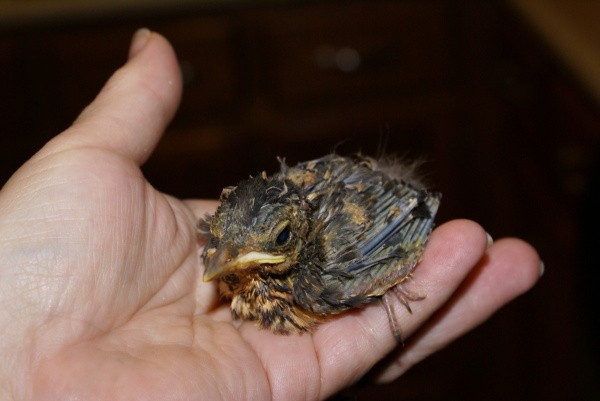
column 201, row 207
column 350, row 345
column 132, row 110
column 509, row 268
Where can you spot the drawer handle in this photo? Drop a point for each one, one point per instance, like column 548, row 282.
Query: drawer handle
column 344, row 59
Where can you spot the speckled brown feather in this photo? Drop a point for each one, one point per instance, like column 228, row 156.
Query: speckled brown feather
column 353, row 233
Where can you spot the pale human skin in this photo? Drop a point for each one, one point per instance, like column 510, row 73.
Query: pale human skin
column 101, row 296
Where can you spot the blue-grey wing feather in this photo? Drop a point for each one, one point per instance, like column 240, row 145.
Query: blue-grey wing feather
column 372, row 232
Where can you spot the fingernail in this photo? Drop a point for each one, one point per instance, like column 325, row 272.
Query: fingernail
column 490, row 240
column 139, row 40
column 542, row 268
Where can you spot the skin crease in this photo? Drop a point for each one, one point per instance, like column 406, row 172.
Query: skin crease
column 101, row 294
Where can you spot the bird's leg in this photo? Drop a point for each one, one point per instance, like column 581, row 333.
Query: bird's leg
column 405, row 297
column 392, row 320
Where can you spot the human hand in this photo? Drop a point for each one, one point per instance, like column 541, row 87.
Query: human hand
column 100, row 289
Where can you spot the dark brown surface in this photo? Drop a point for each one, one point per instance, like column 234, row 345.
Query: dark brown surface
column 508, row 136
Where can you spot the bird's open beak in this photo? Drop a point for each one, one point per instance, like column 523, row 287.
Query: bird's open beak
column 222, row 260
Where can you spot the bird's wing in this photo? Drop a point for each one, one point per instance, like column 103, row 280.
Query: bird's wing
column 371, row 231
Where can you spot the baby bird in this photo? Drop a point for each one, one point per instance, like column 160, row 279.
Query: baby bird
column 317, row 239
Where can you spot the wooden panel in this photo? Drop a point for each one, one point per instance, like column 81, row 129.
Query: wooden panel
column 352, row 51
column 206, row 51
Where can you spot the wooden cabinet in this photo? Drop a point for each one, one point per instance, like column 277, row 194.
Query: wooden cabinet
column 295, row 81
column 327, row 54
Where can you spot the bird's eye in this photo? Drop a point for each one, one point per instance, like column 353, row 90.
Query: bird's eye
column 283, row 236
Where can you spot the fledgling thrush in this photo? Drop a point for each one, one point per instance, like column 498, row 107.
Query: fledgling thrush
column 317, row 239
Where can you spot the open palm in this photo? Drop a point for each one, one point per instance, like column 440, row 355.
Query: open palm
column 100, row 294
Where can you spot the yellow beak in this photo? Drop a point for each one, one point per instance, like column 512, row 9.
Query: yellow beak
column 221, row 262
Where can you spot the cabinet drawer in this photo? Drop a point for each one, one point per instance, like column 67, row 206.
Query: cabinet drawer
column 205, row 48
column 70, row 65
column 352, row 51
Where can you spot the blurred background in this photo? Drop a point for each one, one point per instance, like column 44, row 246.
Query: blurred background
column 501, row 100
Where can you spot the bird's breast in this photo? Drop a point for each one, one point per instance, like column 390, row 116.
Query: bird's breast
column 271, row 305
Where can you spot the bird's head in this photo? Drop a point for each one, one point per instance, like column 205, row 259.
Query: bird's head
column 259, row 227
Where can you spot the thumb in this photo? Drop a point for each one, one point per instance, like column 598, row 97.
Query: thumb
column 131, row 112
